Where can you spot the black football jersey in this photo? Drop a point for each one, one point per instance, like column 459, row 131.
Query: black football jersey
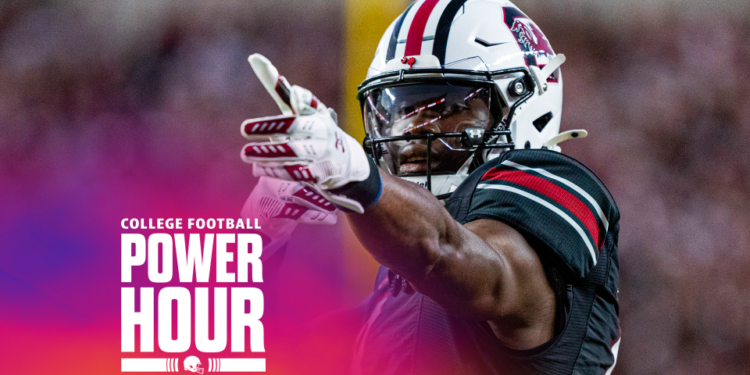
column 568, row 216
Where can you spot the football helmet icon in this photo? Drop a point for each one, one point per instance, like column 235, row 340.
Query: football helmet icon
column 193, row 364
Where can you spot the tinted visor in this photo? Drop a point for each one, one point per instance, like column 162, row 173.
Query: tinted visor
column 409, row 112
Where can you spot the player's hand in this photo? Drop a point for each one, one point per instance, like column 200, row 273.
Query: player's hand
column 304, row 144
column 279, row 205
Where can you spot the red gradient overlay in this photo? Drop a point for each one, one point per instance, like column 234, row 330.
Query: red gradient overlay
column 60, row 265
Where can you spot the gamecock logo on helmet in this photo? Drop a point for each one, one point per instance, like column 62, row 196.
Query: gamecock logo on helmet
column 530, row 37
column 193, row 364
column 532, row 41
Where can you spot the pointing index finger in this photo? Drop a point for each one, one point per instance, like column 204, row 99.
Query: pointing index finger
column 275, row 84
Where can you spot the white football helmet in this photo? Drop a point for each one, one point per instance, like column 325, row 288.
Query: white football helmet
column 193, row 364
column 455, row 83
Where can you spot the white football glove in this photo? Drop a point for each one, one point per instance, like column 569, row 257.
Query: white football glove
column 279, row 205
column 305, row 143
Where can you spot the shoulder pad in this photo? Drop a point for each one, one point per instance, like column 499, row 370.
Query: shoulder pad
column 550, row 198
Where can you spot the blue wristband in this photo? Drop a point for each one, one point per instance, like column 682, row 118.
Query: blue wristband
column 365, row 192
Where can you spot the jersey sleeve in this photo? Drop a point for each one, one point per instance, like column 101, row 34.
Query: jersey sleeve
column 550, row 198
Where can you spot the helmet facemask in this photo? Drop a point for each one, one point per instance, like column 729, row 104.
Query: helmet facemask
column 431, row 130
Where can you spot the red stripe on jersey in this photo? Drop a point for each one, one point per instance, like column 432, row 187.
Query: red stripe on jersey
column 551, row 191
column 416, row 30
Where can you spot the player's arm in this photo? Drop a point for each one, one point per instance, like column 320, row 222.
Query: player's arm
column 484, row 269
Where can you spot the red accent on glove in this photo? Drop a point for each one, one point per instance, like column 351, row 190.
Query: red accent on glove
column 300, row 173
column 269, row 126
column 265, row 150
column 315, row 198
column 291, row 211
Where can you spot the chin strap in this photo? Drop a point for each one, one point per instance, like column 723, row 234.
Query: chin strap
column 564, row 136
column 540, row 75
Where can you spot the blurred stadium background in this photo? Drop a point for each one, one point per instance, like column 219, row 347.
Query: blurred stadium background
column 128, row 89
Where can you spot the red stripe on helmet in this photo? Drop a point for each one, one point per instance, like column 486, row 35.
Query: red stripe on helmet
column 416, row 30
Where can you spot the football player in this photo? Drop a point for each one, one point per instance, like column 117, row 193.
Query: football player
column 498, row 252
